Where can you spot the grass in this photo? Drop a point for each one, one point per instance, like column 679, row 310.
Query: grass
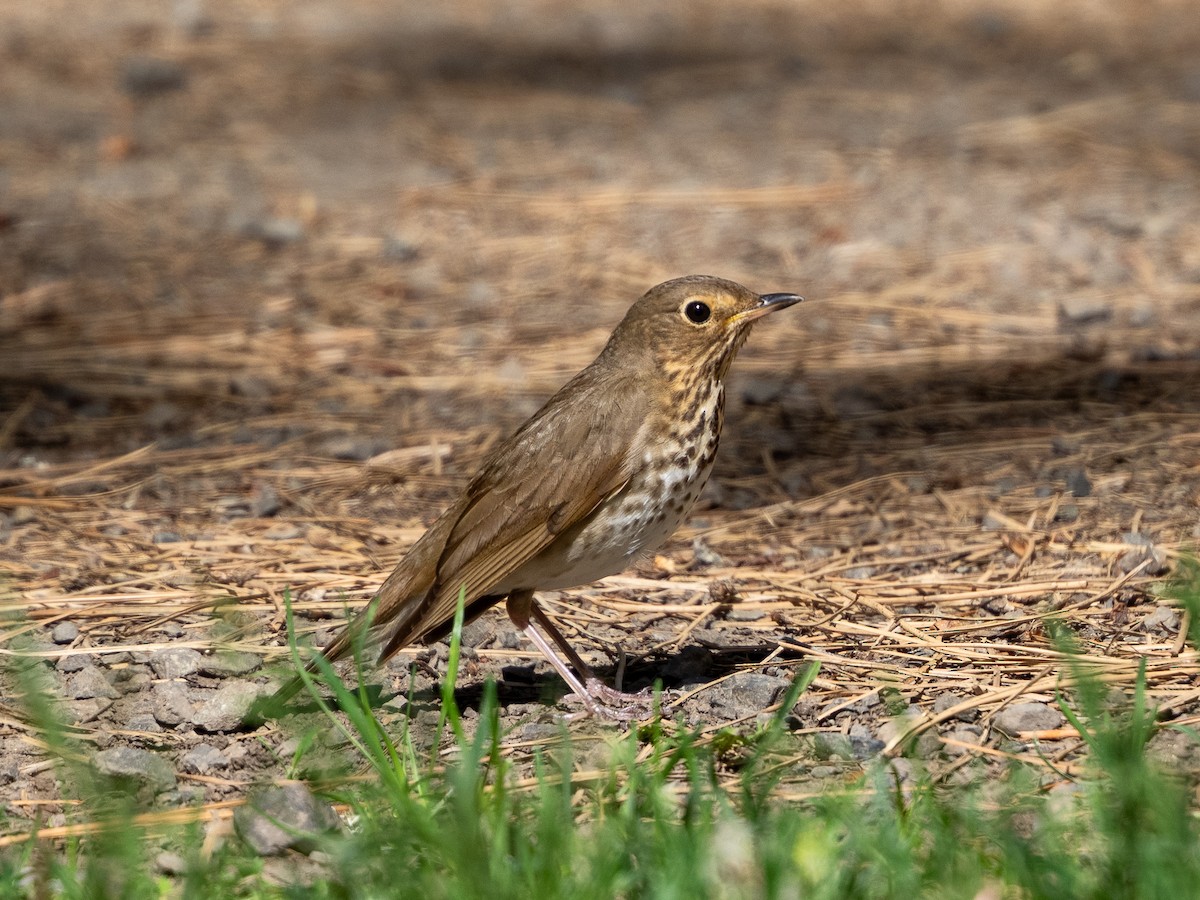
column 668, row 815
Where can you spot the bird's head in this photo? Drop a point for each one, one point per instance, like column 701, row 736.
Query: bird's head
column 694, row 324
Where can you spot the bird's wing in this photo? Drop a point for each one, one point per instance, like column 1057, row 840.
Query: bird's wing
column 533, row 488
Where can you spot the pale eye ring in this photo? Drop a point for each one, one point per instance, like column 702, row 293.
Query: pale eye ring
column 697, row 312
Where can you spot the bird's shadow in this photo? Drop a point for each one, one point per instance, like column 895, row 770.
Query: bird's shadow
column 691, row 667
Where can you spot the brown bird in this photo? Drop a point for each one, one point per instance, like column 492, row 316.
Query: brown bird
column 598, row 477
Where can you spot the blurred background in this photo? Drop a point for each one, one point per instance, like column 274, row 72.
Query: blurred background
column 349, row 227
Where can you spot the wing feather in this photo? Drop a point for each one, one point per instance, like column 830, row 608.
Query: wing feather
column 530, row 490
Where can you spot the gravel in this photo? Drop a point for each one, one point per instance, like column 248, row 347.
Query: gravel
column 283, row 817
column 142, row 766
column 1032, row 716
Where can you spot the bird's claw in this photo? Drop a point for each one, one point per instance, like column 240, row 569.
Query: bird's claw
column 608, row 703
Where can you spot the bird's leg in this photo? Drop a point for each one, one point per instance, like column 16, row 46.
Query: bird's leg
column 596, row 688
column 519, row 605
column 599, row 698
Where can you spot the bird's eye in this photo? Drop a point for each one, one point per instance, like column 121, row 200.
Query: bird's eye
column 697, row 313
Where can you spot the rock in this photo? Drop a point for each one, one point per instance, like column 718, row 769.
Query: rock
column 162, row 415
column 744, row 615
column 283, row 531
column 898, row 725
column 175, row 662
column 143, row 722
column 144, row 76
column 226, row 663
column 1143, row 550
column 226, row 710
column 507, row 639
column 833, row 745
column 863, row 704
column 950, row 699
column 204, row 758
column 1172, row 749
column 735, row 856
column 1080, row 311
column 1068, row 512
column 140, row 765
column 540, row 731
column 266, row 501
column 965, row 734
column 863, row 744
column 75, row 662
column 706, row 555
column 80, row 712
column 1021, row 717
column 284, row 817
column 166, row 537
column 749, row 692
column 759, row 391
column 860, row 573
column 171, row 864
column 251, row 386
column 479, row 633
column 1078, row 484
column 397, row 249
column 172, row 706
column 90, row 682
column 274, row 232
column 131, row 679
column 1164, row 618
column 904, row 770
column 64, row 632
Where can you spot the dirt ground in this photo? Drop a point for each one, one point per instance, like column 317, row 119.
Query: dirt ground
column 275, row 275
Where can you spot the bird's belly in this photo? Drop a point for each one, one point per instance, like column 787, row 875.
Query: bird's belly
column 630, row 525
column 672, row 470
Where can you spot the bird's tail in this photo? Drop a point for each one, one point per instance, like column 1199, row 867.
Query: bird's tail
column 396, row 617
column 393, row 619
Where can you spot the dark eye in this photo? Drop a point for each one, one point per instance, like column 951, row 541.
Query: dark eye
column 697, row 313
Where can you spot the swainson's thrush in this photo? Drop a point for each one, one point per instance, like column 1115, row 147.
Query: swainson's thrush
column 598, row 477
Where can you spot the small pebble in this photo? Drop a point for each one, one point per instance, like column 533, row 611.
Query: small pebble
column 1031, row 716
column 90, row 682
column 175, row 662
column 227, row 708
column 64, row 633
column 1078, row 483
column 144, row 76
column 140, row 765
column 171, row 864
column 283, row 817
column 75, row 662
column 1164, row 618
column 744, row 615
column 204, row 758
column 172, row 705
column 227, row 663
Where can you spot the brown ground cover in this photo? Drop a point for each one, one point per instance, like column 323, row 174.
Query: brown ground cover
column 275, row 276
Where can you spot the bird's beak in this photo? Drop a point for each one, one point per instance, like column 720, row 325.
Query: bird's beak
column 767, row 303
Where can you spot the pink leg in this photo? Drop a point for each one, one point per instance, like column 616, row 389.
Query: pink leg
column 599, row 699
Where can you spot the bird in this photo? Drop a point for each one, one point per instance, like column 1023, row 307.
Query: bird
column 596, row 479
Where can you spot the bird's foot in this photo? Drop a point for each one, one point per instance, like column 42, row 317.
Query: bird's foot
column 608, row 703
